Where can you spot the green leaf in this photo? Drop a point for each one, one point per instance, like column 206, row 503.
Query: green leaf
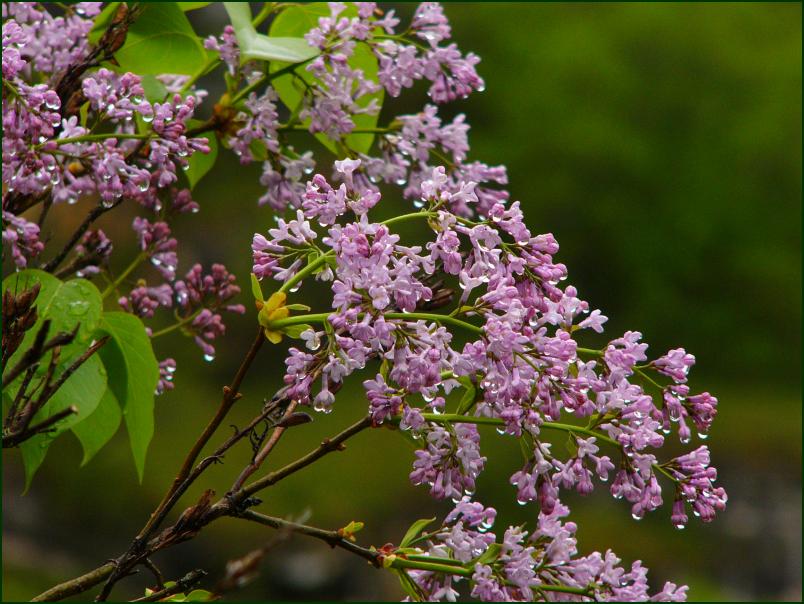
column 83, row 389
column 468, row 399
column 133, row 375
column 415, row 529
column 198, row 595
column 188, row 6
column 201, row 163
column 256, row 288
column 161, row 40
column 571, row 445
column 95, row 431
column 298, row 20
column 297, row 306
column 83, row 113
column 258, row 150
column 155, row 91
column 490, row 555
column 254, row 45
column 295, row 331
column 65, row 303
column 408, row 585
column 102, row 22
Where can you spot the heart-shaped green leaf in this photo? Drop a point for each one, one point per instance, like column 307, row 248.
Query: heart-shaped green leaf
column 133, row 375
column 161, row 40
column 95, row 431
column 254, row 45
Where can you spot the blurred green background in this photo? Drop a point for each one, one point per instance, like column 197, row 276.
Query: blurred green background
column 661, row 144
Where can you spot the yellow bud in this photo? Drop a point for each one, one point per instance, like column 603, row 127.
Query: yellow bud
column 276, row 300
column 274, row 337
column 279, row 313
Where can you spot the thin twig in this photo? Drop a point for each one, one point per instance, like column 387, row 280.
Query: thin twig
column 242, row 570
column 93, row 215
column 160, row 579
column 21, row 422
column 181, row 586
column 217, row 455
column 30, row 356
column 15, row 439
column 34, row 354
column 230, row 395
column 65, row 375
column 331, row 538
column 77, row 585
column 266, row 449
column 328, row 445
column 227, row 506
column 12, row 411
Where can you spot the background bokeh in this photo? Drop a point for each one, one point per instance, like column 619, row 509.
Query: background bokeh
column 661, row 144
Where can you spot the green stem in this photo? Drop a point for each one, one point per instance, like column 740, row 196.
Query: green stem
column 649, row 379
column 205, row 69
column 434, row 317
column 590, row 351
column 267, row 78
column 448, row 569
column 267, row 9
column 406, row 217
column 322, row 317
column 436, row 559
column 97, row 137
column 175, row 326
column 128, row 270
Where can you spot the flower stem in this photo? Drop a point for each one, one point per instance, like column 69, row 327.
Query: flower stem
column 128, row 270
column 322, row 317
column 85, row 138
column 589, row 351
column 175, row 326
column 448, row 569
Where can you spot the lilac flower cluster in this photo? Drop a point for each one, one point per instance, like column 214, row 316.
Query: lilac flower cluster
column 22, row 237
column 522, row 367
column 51, row 43
column 338, row 92
column 51, row 150
column 542, row 565
column 469, row 326
column 403, row 58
